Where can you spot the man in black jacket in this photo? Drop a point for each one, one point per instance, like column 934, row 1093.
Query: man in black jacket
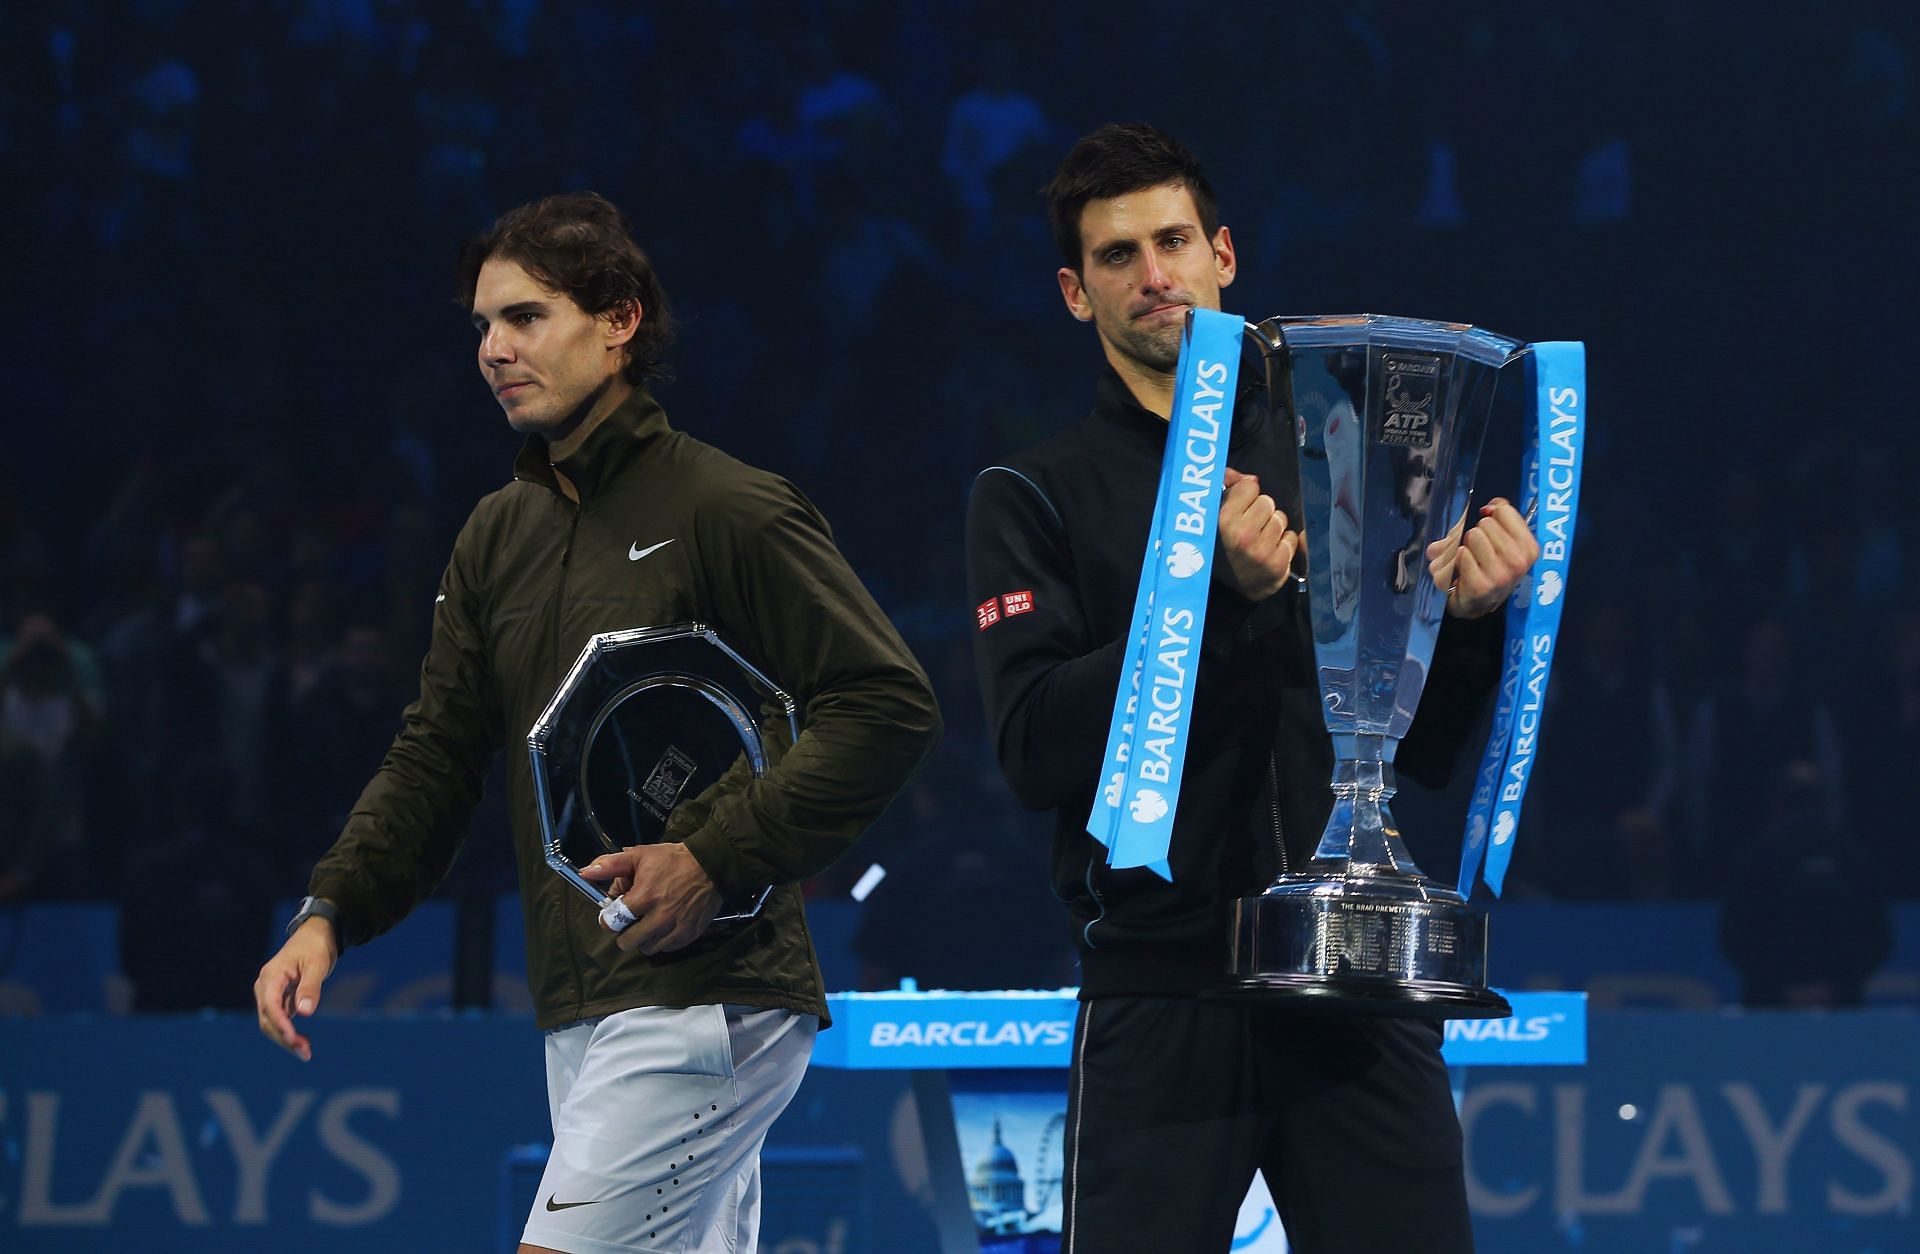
column 1174, row 1101
column 670, row 1048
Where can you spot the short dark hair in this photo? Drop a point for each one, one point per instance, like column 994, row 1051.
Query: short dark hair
column 1118, row 158
column 578, row 243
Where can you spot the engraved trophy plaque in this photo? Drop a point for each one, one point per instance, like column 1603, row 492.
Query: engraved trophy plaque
column 644, row 726
column 1389, row 415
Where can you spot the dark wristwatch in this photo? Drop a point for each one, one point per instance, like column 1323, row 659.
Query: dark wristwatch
column 315, row 908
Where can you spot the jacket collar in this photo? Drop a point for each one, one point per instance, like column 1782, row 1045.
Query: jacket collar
column 1114, row 403
column 622, row 437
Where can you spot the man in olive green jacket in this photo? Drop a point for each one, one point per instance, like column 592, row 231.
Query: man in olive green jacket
column 614, row 520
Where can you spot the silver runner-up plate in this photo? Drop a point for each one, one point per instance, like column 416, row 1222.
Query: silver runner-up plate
column 637, row 742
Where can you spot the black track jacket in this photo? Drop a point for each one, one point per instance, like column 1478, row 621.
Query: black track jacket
column 1054, row 543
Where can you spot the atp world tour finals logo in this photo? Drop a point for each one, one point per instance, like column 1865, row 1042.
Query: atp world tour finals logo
column 1412, row 385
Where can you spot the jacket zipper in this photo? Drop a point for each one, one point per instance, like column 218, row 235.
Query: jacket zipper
column 1273, row 803
column 560, row 668
column 560, row 661
column 1086, row 933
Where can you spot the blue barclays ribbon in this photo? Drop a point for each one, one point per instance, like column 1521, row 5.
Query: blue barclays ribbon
column 1153, row 706
column 1553, row 461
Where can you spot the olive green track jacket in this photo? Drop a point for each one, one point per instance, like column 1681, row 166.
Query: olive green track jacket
column 532, row 577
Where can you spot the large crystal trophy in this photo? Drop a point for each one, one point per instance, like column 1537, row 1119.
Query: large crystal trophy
column 1389, row 415
column 638, row 737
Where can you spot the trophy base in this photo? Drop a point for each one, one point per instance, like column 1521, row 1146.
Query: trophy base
column 1363, row 945
column 1395, row 999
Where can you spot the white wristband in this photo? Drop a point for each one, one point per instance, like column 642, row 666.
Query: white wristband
column 615, row 915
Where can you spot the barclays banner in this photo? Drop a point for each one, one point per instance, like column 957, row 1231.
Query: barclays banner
column 1694, row 1131
column 1025, row 1028
column 163, row 1134
column 1705, row 1132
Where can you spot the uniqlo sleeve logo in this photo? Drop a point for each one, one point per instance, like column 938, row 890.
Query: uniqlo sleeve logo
column 993, row 609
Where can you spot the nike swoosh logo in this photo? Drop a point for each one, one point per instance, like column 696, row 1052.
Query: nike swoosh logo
column 635, row 552
column 553, row 1205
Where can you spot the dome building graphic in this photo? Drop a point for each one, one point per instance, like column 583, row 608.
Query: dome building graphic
column 995, row 1186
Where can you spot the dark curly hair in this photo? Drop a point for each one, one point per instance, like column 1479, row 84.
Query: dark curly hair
column 579, row 243
column 1118, row 158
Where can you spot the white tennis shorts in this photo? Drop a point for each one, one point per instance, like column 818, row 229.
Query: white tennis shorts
column 658, row 1118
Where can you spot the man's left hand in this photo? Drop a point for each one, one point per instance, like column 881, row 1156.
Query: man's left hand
column 1483, row 572
column 672, row 900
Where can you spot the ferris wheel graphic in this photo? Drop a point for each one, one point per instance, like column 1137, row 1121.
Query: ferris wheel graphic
column 1049, row 1165
column 1007, row 1196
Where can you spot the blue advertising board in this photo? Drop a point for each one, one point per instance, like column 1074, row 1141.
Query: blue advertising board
column 1696, row 1131
column 1023, row 1028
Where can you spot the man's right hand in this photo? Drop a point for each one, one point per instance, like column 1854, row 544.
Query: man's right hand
column 290, row 983
column 1253, row 533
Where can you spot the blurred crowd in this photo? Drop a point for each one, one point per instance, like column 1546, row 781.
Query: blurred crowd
column 246, row 423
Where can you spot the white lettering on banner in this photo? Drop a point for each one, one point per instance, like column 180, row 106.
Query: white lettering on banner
column 1897, row 1197
column 1675, row 1145
column 1478, row 1097
column 1557, row 502
column 1523, row 744
column 153, row 1152
column 1124, row 750
column 968, row 1033
column 254, row 1155
column 1197, row 472
column 1196, row 500
column 1532, row 1029
column 1771, row 1146
column 1202, row 448
column 383, row 1178
column 1163, row 721
column 36, row 1184
column 1676, row 1118
column 1677, row 1111
column 1509, row 695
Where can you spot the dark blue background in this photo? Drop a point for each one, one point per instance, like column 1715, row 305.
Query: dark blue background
column 245, row 421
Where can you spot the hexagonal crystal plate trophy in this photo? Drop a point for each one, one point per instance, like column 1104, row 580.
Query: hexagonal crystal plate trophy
column 646, row 723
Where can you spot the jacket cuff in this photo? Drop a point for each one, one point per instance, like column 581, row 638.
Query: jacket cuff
column 349, row 920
